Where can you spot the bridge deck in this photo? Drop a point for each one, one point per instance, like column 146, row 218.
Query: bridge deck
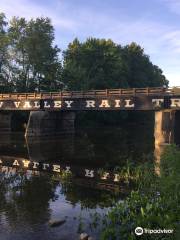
column 92, row 93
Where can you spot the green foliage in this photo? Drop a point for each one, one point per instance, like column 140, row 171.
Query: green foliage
column 94, row 64
column 100, row 64
column 141, row 72
column 151, row 212
column 170, row 169
column 63, row 176
column 130, row 173
column 30, row 58
column 4, row 44
column 29, row 61
column 155, row 205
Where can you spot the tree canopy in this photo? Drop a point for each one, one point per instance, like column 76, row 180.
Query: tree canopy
column 4, row 56
column 100, row 63
column 30, row 61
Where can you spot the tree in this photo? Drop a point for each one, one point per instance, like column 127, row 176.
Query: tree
column 20, row 67
column 4, row 43
column 141, row 71
column 35, row 61
column 94, row 64
column 29, row 61
column 43, row 56
column 100, row 64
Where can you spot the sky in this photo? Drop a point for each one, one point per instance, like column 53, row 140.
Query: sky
column 154, row 24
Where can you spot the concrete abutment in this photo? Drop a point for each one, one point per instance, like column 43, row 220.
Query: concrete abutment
column 47, row 123
column 164, row 133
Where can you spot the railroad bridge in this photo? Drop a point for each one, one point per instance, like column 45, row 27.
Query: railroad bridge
column 51, row 113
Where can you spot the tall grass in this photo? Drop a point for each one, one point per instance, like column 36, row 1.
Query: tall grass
column 154, row 205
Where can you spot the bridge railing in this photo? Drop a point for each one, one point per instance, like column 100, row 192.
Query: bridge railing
column 91, row 93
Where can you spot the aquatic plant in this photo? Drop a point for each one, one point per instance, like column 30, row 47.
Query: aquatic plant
column 133, row 173
column 154, row 205
column 63, row 175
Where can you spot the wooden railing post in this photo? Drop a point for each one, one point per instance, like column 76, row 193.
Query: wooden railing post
column 106, row 92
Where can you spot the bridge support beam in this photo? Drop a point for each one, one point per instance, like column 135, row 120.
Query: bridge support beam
column 163, row 133
column 47, row 123
column 5, row 122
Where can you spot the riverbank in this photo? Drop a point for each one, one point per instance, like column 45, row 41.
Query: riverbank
column 153, row 206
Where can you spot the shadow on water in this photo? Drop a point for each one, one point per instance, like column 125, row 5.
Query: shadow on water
column 29, row 197
column 97, row 147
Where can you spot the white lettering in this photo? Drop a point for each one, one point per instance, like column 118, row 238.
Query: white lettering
column 57, row 104
column 45, row 166
column 17, row 104
column 46, row 104
column 56, row 168
column 68, row 169
column 36, row 104
column 175, row 102
column 27, row 105
column 90, row 103
column 35, row 165
column 26, row 163
column 157, row 102
column 15, row 163
column 69, row 103
column 116, row 177
column 127, row 103
column 105, row 175
column 1, row 103
column 104, row 103
column 117, row 103
column 89, row 173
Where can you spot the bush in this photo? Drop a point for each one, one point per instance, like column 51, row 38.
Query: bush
column 155, row 205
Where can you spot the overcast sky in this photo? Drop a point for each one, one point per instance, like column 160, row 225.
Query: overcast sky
column 154, row 24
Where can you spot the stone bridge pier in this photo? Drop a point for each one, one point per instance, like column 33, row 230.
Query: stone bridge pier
column 49, row 123
column 166, row 131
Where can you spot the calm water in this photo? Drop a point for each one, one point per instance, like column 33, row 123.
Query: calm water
column 30, row 197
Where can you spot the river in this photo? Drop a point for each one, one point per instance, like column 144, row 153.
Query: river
column 32, row 194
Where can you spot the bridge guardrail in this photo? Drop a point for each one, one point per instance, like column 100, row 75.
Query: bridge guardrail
column 91, row 93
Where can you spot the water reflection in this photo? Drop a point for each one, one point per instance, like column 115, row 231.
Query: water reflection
column 28, row 202
column 30, row 197
column 101, row 148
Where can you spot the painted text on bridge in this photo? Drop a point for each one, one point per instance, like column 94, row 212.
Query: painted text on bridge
column 111, row 99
